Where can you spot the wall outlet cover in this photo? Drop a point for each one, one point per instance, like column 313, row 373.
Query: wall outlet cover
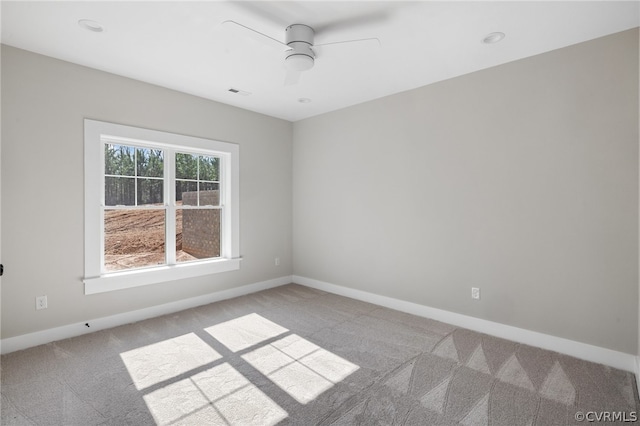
column 475, row 293
column 41, row 302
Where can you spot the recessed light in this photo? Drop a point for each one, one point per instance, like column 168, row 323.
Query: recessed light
column 304, row 100
column 90, row 25
column 493, row 38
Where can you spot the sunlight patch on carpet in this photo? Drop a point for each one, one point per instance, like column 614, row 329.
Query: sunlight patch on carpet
column 184, row 380
column 299, row 367
column 164, row 360
column 220, row 395
column 244, row 332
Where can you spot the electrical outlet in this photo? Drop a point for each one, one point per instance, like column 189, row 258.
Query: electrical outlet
column 41, row 302
column 475, row 293
column 277, row 261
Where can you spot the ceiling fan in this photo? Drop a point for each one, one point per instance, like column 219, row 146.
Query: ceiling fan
column 300, row 51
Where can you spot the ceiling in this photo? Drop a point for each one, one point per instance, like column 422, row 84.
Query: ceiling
column 184, row 46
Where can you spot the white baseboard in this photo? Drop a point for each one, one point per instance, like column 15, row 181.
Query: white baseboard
column 579, row 350
column 25, row 341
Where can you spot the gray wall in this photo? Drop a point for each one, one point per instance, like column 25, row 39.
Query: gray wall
column 44, row 102
column 521, row 180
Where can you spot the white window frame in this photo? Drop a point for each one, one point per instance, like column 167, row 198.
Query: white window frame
column 96, row 280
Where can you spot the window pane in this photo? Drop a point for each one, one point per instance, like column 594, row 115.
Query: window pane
column 209, row 194
column 209, row 167
column 187, row 192
column 197, row 234
column 150, row 191
column 186, row 166
column 150, row 162
column 119, row 191
column 133, row 239
column 119, row 160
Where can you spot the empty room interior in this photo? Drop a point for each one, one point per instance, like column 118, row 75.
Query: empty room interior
column 319, row 213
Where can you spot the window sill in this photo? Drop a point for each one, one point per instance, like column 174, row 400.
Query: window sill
column 140, row 277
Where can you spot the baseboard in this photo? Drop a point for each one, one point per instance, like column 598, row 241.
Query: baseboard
column 25, row 341
column 579, row 350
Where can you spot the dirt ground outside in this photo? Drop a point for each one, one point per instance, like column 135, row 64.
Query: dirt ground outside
column 135, row 238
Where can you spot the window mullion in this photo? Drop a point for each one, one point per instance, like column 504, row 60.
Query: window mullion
column 222, row 202
column 135, row 174
column 198, row 180
column 170, row 203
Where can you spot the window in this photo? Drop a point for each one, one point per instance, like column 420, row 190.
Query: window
column 158, row 206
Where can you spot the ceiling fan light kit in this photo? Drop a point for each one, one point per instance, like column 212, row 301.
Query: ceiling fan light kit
column 299, row 38
column 299, row 61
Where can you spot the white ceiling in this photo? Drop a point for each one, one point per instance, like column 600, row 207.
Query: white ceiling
column 183, row 46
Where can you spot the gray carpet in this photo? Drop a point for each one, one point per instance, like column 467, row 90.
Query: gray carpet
column 294, row 355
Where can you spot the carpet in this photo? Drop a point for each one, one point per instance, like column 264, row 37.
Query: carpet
column 295, row 355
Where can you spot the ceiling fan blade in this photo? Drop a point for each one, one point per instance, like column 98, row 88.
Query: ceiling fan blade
column 292, row 77
column 363, row 43
column 362, row 20
column 246, row 31
column 372, row 42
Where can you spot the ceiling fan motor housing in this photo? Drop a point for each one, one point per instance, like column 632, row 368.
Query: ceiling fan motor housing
column 299, row 38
